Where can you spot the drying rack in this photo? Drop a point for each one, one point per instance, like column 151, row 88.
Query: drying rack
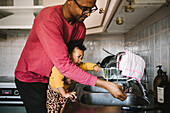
column 112, row 74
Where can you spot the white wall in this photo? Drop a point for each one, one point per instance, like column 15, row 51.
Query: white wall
column 10, row 50
column 153, row 44
column 95, row 43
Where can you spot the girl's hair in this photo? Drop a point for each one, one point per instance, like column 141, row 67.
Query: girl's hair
column 75, row 43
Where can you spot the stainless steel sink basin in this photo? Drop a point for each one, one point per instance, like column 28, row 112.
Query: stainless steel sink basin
column 94, row 89
column 98, row 96
column 108, row 99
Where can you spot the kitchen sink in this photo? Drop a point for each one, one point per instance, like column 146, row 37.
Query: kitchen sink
column 108, row 99
column 93, row 95
column 94, row 89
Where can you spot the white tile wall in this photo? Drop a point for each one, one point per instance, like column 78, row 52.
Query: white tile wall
column 95, row 43
column 11, row 48
column 153, row 44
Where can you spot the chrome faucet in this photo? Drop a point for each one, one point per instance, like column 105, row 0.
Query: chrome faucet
column 141, row 87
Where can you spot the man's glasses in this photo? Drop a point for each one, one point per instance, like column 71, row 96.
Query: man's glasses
column 86, row 10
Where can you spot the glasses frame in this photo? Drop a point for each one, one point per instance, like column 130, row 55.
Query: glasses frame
column 88, row 11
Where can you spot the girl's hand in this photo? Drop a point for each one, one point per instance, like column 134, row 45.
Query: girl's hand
column 97, row 68
column 71, row 95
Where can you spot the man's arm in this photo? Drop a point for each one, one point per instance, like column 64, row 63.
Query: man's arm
column 113, row 88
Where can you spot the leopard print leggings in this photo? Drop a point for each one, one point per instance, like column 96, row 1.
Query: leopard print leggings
column 55, row 101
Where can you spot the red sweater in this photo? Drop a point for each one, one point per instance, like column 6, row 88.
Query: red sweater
column 46, row 47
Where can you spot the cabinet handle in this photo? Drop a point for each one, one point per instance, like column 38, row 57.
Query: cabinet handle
column 101, row 10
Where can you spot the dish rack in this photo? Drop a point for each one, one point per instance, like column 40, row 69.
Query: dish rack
column 112, row 73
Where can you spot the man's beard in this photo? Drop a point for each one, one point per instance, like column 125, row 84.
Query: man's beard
column 78, row 19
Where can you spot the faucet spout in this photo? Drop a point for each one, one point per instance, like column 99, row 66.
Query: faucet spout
column 144, row 92
column 140, row 87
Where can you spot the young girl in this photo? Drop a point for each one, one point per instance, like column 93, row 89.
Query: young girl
column 57, row 93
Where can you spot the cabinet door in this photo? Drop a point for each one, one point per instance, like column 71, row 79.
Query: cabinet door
column 96, row 18
column 47, row 3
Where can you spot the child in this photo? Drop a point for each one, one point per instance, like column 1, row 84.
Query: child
column 57, row 93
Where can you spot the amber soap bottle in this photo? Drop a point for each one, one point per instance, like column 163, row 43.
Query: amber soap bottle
column 162, row 92
column 158, row 79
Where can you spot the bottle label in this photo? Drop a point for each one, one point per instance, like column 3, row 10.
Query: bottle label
column 160, row 94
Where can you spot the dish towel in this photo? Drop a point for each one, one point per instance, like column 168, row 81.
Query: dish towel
column 131, row 65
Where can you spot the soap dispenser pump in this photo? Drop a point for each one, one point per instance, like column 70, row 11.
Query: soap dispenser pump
column 158, row 79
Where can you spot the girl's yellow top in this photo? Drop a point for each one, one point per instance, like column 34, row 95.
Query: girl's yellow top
column 56, row 78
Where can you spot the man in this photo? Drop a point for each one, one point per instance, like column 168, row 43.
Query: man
column 46, row 47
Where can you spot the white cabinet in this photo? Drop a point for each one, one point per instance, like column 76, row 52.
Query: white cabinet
column 47, row 3
column 19, row 14
column 96, row 18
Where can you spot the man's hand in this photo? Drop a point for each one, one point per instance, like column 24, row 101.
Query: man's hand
column 113, row 88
